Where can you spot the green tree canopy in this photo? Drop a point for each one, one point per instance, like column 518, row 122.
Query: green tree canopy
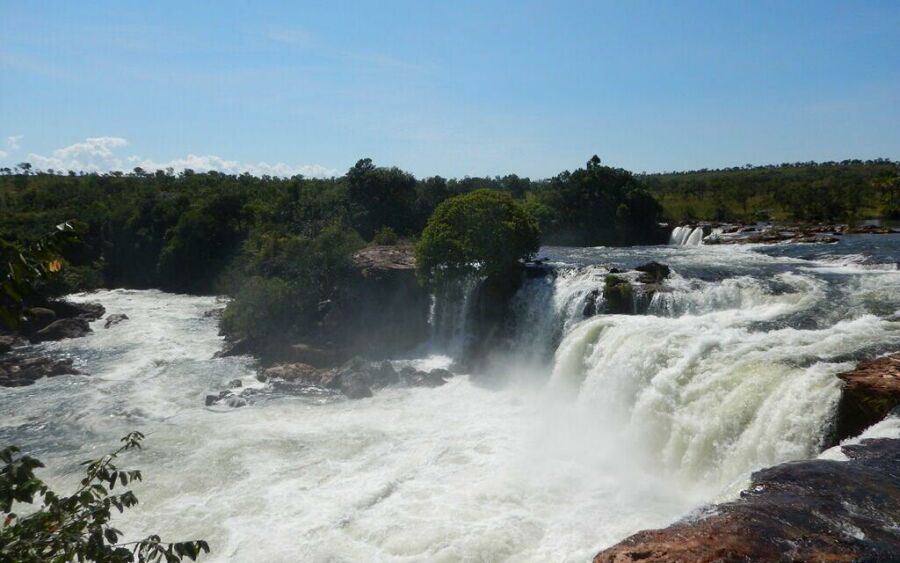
column 485, row 232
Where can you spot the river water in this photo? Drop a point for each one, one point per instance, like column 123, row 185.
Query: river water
column 604, row 426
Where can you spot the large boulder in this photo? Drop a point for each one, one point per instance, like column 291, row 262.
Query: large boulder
column 816, row 510
column 62, row 328
column 870, row 392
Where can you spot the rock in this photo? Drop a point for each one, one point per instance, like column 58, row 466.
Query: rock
column 235, row 384
column 115, row 319
column 313, row 355
column 870, row 392
column 619, row 296
column 62, row 328
column 239, row 347
column 442, row 373
column 304, row 374
column 19, row 370
column 87, row 311
column 814, row 239
column 382, row 257
column 6, row 343
column 355, row 389
column 653, row 272
column 817, row 510
column 591, row 304
column 417, row 378
column 214, row 313
column 35, row 319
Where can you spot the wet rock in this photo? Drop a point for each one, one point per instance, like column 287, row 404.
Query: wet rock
column 6, row 343
column 239, row 347
column 355, row 389
column 870, row 392
column 817, row 510
column 591, row 304
column 653, row 272
column 619, row 296
column 62, row 328
column 235, row 384
column 442, row 373
column 35, row 319
column 115, row 319
column 214, row 313
column 86, row 311
column 19, row 370
column 303, row 374
column 313, row 355
column 814, row 239
column 417, row 378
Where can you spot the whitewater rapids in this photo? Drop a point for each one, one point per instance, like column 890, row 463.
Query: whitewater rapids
column 632, row 422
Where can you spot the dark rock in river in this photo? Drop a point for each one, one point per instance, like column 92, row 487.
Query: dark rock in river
column 17, row 370
column 35, row 319
column 653, row 272
column 86, row 311
column 7, row 343
column 115, row 319
column 619, row 296
column 817, row 510
column 870, row 392
column 63, row 328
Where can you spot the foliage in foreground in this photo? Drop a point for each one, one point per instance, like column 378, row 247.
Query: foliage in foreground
column 484, row 233
column 76, row 527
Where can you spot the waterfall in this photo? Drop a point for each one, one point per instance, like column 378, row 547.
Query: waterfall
column 449, row 317
column 706, row 391
column 685, row 236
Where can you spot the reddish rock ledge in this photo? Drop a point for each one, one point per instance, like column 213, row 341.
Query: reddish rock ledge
column 816, row 510
column 870, row 392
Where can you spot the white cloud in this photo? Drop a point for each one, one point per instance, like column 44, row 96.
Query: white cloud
column 12, row 142
column 98, row 154
column 3, row 154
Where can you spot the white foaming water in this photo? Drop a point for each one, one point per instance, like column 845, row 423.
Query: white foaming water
column 644, row 419
column 685, row 236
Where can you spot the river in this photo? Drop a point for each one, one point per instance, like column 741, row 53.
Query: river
column 603, row 426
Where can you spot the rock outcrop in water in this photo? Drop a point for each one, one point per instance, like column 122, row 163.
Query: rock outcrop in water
column 870, row 392
column 817, row 510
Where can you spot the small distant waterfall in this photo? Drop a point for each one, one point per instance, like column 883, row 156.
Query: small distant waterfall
column 450, row 315
column 685, row 236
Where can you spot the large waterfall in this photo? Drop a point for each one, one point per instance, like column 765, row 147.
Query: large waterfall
column 625, row 421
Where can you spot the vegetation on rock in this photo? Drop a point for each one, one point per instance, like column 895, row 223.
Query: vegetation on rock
column 485, row 233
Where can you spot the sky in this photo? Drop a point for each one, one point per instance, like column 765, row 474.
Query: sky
column 451, row 88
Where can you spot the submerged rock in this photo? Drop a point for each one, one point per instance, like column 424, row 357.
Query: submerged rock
column 115, row 319
column 870, row 392
column 817, row 510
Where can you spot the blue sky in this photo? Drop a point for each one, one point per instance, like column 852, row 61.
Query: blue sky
column 455, row 88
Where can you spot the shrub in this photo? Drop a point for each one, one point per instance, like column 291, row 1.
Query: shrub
column 386, row 236
column 484, row 232
column 76, row 527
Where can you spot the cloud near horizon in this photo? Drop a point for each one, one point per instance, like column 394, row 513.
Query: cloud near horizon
column 100, row 154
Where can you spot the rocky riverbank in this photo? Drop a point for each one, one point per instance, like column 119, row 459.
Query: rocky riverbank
column 20, row 364
column 767, row 233
column 816, row 510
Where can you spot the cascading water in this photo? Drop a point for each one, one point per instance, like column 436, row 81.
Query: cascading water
column 685, row 236
column 638, row 419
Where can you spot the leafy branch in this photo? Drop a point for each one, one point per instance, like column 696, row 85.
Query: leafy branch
column 77, row 527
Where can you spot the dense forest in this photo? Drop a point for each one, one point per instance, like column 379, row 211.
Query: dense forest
column 844, row 191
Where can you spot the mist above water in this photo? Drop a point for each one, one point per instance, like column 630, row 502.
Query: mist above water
column 622, row 423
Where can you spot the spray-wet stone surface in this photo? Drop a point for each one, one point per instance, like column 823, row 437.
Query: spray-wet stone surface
column 606, row 424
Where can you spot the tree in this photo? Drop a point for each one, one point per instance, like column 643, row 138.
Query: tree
column 76, row 527
column 485, row 232
column 25, row 267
